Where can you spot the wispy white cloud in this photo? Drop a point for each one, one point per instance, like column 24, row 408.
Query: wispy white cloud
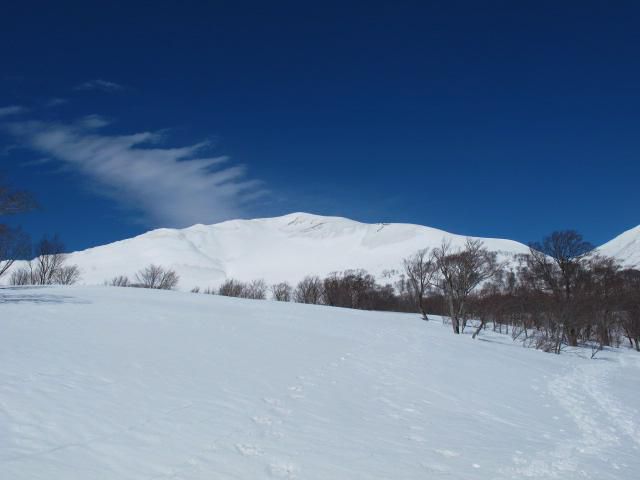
column 12, row 110
column 170, row 186
column 55, row 102
column 99, row 84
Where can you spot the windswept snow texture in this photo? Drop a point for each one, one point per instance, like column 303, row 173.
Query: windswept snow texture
column 277, row 249
column 625, row 247
column 117, row 383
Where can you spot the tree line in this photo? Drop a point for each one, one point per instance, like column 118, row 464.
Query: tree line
column 349, row 289
column 561, row 293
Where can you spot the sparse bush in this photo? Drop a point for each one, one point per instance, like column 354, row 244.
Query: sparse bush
column 21, row 276
column 281, row 292
column 120, row 281
column 156, row 277
column 255, row 290
column 67, row 275
column 232, row 288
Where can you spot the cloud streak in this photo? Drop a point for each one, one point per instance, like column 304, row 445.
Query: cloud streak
column 12, row 110
column 99, row 84
column 173, row 187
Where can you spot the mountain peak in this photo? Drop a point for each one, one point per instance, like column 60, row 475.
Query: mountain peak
column 625, row 247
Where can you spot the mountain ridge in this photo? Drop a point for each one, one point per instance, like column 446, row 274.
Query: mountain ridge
column 287, row 248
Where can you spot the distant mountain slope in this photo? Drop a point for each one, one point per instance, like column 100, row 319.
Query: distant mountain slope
column 625, row 247
column 288, row 248
column 276, row 249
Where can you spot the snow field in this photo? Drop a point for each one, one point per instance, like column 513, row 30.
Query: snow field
column 118, row 383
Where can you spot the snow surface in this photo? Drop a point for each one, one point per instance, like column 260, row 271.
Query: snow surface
column 117, row 383
column 277, row 249
column 625, row 247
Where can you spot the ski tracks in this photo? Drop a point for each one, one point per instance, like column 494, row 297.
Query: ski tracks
column 258, row 440
column 604, row 425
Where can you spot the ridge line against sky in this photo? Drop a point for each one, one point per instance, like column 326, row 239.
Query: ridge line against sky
column 509, row 122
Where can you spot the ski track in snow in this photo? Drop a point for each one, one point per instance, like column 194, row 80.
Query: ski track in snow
column 603, row 423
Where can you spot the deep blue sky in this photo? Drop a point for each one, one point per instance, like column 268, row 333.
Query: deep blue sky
column 505, row 119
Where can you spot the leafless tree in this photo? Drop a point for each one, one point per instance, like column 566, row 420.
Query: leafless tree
column 232, row 288
column 350, row 289
column 14, row 201
column 420, row 270
column 14, row 245
column 21, row 276
column 157, row 277
column 48, row 267
column 281, row 292
column 119, row 281
column 256, row 290
column 49, row 259
column 66, row 275
column 309, row 290
column 554, row 266
column 460, row 272
column 567, row 296
column 630, row 306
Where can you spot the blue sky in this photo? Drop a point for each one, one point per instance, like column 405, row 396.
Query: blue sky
column 504, row 119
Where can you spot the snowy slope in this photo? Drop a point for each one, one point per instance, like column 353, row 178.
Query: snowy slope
column 625, row 247
column 113, row 383
column 277, row 249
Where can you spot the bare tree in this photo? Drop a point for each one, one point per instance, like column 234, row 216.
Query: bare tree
column 21, row 276
column 169, row 280
column 232, row 288
column 566, row 250
column 14, row 201
column 420, row 270
column 48, row 267
column 49, row 259
column 256, row 290
column 157, row 277
column 630, row 306
column 554, row 266
column 119, row 281
column 66, row 275
column 460, row 272
column 14, row 245
column 309, row 290
column 351, row 289
column 281, row 292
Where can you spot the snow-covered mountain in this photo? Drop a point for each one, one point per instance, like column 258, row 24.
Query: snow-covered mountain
column 625, row 247
column 288, row 248
column 275, row 249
